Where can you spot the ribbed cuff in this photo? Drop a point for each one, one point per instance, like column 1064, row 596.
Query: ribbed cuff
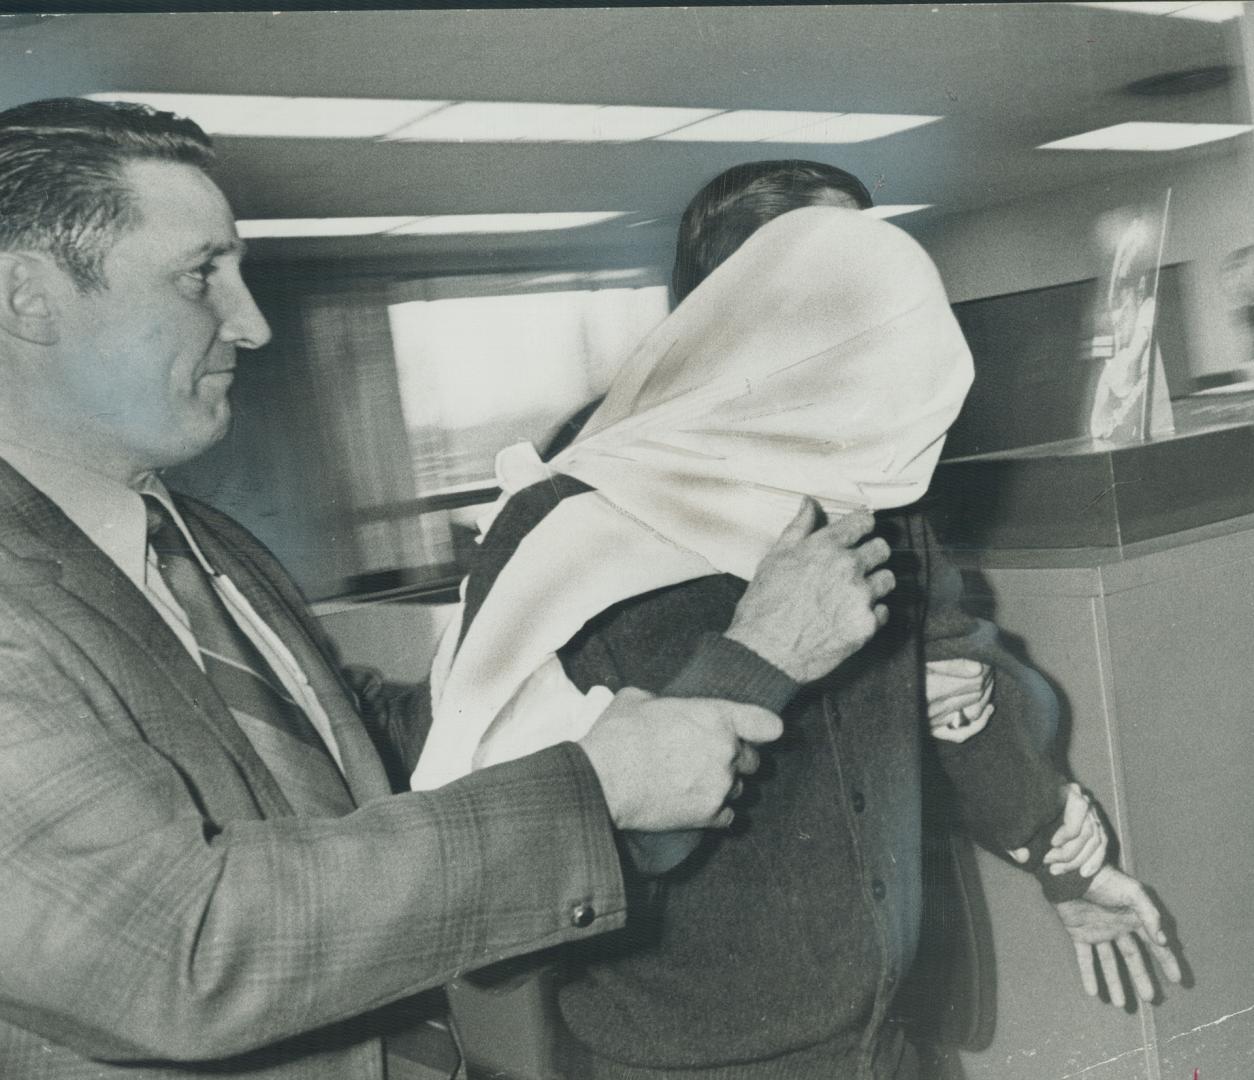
column 722, row 668
column 719, row 668
column 1059, row 887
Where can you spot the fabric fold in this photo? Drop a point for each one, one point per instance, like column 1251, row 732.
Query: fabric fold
column 822, row 359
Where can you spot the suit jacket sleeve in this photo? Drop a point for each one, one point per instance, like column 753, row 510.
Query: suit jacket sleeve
column 135, row 926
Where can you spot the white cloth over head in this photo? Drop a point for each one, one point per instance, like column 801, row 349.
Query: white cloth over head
column 821, row 359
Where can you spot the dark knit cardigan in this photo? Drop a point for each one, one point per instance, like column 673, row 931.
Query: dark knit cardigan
column 777, row 948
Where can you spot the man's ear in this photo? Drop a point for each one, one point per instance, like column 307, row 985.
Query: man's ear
column 27, row 310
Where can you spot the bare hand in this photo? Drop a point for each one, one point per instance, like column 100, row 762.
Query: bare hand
column 1114, row 912
column 959, row 698
column 815, row 600
column 671, row 763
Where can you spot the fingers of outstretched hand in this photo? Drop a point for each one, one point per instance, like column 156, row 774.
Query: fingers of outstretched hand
column 1088, row 973
column 1110, row 972
column 1147, row 911
column 1166, row 959
column 1135, row 963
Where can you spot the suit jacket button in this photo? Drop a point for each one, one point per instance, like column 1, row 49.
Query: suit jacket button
column 878, row 889
column 582, row 915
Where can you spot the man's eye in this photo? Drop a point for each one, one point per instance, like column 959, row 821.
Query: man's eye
column 201, row 275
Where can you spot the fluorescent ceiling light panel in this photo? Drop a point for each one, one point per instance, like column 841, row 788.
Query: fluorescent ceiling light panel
column 1198, row 10
column 895, row 209
column 1139, row 135
column 287, row 117
column 780, row 125
column 346, row 226
column 522, row 121
column 454, row 224
column 402, row 120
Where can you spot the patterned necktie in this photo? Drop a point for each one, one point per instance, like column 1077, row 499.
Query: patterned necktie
column 277, row 726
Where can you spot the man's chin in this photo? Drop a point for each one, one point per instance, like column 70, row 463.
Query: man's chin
column 197, row 439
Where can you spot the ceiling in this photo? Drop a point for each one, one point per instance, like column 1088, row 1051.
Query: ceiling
column 1004, row 77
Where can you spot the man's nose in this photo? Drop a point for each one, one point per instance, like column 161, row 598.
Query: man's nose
column 243, row 325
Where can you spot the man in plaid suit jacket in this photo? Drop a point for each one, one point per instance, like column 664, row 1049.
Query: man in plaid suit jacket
column 167, row 908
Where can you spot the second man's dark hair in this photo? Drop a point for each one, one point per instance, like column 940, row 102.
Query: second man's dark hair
column 738, row 202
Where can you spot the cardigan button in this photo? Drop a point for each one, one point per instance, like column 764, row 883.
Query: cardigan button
column 859, row 802
column 878, row 889
column 583, row 915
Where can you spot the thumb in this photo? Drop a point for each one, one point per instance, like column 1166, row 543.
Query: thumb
column 1020, row 855
column 1147, row 910
column 801, row 526
column 754, row 724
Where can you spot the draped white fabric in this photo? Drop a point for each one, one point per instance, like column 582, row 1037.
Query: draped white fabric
column 821, row 359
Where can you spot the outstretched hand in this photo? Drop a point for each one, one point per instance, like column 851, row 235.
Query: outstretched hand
column 1112, row 914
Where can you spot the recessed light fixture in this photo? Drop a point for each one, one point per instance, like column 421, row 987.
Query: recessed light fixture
column 1148, row 136
column 778, row 125
column 452, row 224
column 433, row 225
column 895, row 209
column 522, row 121
column 345, row 226
column 1198, row 10
column 401, row 120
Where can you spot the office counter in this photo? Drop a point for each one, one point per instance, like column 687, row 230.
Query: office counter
column 1128, row 576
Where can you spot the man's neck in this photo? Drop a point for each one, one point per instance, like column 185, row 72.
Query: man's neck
column 74, row 448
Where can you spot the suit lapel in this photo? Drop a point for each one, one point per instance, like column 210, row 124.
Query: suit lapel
column 363, row 770
column 46, row 549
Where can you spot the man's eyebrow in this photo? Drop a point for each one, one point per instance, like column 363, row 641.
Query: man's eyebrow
column 210, row 250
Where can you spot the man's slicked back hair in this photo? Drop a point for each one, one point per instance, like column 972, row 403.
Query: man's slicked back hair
column 62, row 191
column 738, row 202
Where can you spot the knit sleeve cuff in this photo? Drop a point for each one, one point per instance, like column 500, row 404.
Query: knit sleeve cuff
column 722, row 668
